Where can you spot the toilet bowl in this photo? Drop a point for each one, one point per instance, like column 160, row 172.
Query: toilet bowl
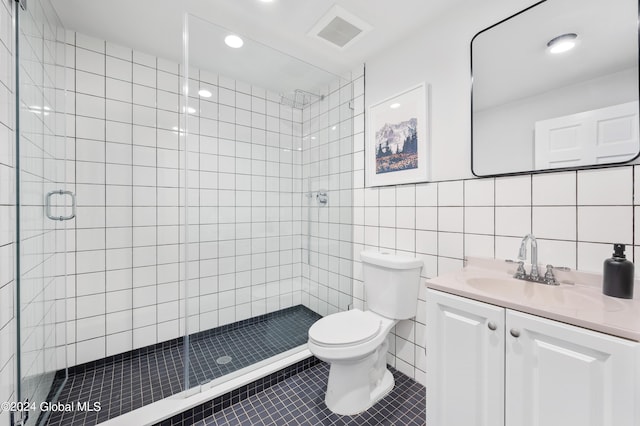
column 355, row 343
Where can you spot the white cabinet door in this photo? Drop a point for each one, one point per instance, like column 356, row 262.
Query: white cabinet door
column 562, row 375
column 465, row 362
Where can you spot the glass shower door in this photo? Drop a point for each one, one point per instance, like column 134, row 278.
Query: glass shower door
column 256, row 123
column 45, row 206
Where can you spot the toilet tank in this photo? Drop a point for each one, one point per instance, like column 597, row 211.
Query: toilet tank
column 391, row 283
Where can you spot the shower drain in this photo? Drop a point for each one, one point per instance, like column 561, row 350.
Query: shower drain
column 226, row 359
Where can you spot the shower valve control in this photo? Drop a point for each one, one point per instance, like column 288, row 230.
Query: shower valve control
column 322, row 197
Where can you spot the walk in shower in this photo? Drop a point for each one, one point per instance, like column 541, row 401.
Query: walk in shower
column 199, row 214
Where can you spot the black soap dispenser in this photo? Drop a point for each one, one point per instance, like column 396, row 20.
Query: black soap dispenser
column 617, row 280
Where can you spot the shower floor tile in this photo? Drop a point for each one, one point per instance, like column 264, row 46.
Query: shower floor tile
column 125, row 383
column 299, row 400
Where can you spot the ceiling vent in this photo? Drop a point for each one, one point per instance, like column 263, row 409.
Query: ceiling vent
column 339, row 28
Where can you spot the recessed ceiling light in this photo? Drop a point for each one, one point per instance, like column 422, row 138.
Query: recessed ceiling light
column 562, row 43
column 204, row 93
column 394, row 106
column 266, row 1
column 233, row 41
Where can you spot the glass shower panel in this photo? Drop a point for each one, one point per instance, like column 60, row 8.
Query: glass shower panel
column 254, row 121
column 44, row 204
column 328, row 135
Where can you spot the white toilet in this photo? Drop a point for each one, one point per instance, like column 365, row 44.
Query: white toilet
column 355, row 342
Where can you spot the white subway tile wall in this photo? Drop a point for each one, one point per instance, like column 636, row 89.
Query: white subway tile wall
column 327, row 162
column 245, row 160
column 576, row 216
column 42, row 151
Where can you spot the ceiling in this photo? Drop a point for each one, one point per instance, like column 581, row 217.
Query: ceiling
column 155, row 26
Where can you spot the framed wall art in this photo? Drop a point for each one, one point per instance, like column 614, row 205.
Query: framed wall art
column 397, row 145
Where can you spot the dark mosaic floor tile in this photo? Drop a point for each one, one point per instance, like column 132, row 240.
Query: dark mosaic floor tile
column 299, row 400
column 125, row 382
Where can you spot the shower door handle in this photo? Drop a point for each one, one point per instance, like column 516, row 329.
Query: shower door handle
column 48, row 205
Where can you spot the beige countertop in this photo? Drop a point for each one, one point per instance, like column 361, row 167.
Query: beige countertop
column 578, row 300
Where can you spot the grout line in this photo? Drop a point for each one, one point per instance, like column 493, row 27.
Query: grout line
column 577, row 221
column 464, row 212
column 633, row 213
column 133, row 204
column 106, row 209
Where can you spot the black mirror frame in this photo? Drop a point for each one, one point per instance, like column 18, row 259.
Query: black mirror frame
column 559, row 169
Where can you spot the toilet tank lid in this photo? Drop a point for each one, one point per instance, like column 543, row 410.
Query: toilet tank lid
column 388, row 260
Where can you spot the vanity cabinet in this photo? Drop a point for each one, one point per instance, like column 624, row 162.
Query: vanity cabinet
column 465, row 362
column 487, row 365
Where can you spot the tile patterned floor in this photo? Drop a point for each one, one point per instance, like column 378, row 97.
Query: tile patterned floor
column 208, row 408
column 124, row 383
column 299, row 400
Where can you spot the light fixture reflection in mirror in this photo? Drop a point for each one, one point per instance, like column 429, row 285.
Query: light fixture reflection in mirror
column 562, row 43
column 233, row 41
column 536, row 111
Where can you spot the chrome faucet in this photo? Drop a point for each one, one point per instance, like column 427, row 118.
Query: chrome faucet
column 534, row 275
column 522, row 255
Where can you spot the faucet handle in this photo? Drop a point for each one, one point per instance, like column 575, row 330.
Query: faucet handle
column 520, row 273
column 549, row 278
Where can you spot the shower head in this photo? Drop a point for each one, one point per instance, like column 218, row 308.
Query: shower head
column 300, row 99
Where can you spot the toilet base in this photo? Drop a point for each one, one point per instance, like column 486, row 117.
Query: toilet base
column 386, row 386
column 351, row 389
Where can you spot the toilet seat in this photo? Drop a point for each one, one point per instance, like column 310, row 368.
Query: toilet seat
column 345, row 328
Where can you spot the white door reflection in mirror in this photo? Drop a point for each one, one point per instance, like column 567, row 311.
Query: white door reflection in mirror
column 602, row 136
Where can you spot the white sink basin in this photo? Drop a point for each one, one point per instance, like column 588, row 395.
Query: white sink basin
column 542, row 295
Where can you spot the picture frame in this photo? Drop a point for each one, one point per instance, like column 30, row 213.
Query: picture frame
column 397, row 145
